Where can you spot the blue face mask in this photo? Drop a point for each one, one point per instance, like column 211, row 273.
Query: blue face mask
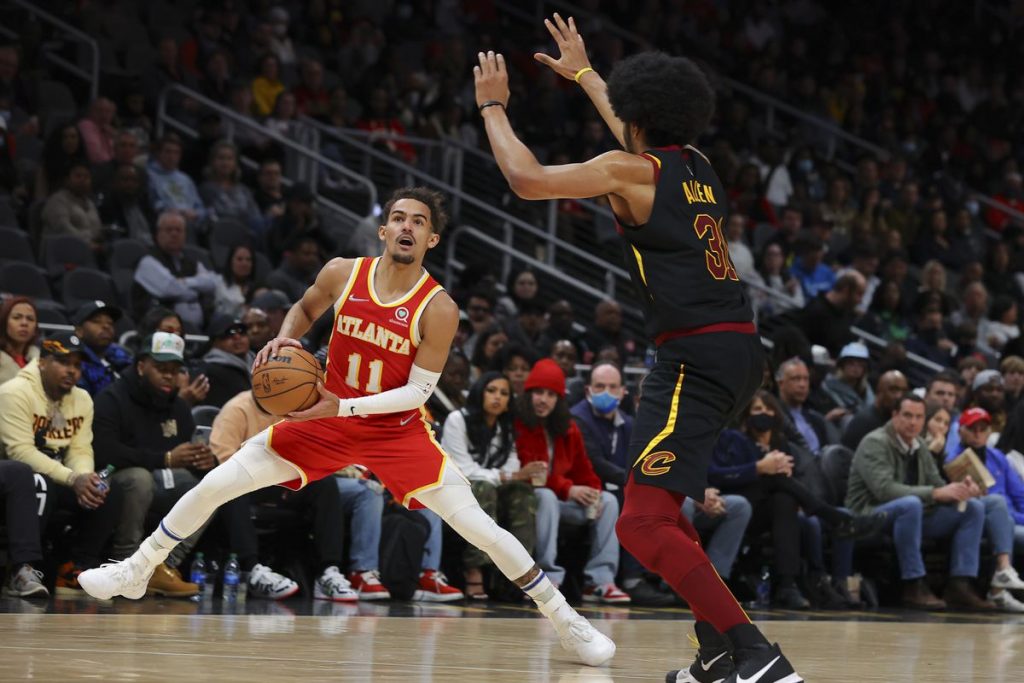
column 604, row 403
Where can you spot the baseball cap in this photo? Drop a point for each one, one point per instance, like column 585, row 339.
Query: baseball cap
column 855, row 350
column 973, row 416
column 61, row 344
column 819, row 355
column 163, row 347
column 984, row 377
column 223, row 325
column 271, row 300
column 91, row 308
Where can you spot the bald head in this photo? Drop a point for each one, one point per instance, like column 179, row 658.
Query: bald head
column 891, row 386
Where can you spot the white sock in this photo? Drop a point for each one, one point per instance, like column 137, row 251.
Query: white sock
column 549, row 600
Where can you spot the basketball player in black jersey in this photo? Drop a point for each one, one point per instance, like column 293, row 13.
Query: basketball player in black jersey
column 670, row 208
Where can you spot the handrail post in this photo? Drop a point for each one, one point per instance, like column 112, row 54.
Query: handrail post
column 94, row 74
column 549, row 255
column 459, row 159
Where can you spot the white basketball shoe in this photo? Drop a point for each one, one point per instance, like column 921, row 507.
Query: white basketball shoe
column 127, row 578
column 578, row 635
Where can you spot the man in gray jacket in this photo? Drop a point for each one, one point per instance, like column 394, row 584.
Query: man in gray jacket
column 893, row 472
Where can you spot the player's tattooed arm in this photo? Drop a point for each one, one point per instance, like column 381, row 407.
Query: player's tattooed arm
column 574, row 65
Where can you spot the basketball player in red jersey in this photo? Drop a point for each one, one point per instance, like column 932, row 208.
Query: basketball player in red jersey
column 670, row 208
column 393, row 328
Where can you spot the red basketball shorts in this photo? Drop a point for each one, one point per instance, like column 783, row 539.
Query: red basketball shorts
column 406, row 458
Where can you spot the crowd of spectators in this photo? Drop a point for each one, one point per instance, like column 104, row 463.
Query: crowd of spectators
column 896, row 244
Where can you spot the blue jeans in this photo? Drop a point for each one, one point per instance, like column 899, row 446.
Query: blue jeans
column 726, row 531
column 364, row 507
column 814, row 549
column 603, row 562
column 911, row 523
column 998, row 524
column 432, row 548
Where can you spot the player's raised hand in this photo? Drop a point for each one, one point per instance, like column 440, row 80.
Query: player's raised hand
column 572, row 55
column 491, row 79
column 327, row 406
column 272, row 348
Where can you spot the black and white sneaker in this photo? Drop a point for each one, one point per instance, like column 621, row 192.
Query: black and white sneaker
column 713, row 663
column 706, row 668
column 764, row 664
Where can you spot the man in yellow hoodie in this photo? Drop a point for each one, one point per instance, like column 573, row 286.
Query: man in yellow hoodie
column 46, row 422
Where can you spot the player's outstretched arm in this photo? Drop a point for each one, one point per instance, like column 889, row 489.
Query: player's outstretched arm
column 611, row 173
column 574, row 65
column 324, row 291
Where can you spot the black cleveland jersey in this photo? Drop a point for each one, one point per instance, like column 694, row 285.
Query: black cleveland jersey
column 679, row 260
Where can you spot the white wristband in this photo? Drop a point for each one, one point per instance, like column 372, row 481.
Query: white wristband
column 407, row 397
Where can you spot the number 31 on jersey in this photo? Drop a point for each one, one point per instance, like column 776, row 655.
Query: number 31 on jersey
column 717, row 254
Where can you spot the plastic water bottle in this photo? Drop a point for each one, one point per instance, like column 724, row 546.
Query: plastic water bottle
column 764, row 590
column 232, row 576
column 105, row 477
column 198, row 575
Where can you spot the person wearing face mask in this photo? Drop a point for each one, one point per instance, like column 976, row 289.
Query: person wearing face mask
column 758, row 463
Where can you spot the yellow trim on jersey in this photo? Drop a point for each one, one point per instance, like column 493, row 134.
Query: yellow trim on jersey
column 338, row 303
column 402, row 299
column 639, row 263
column 652, row 158
column 673, row 413
column 303, row 477
column 414, row 324
column 444, row 462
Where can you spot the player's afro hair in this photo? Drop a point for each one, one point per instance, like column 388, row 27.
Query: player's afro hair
column 433, row 200
column 668, row 98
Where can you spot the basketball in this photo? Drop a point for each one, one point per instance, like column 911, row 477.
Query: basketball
column 287, row 382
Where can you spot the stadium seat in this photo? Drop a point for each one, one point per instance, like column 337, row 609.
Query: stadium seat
column 87, row 284
column 835, row 463
column 224, row 236
column 204, row 415
column 63, row 253
column 50, row 315
column 16, row 246
column 24, row 279
column 126, row 254
column 261, row 266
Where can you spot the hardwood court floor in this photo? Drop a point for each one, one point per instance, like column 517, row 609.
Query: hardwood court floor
column 148, row 641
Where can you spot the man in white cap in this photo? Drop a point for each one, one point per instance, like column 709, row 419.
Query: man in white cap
column 849, row 386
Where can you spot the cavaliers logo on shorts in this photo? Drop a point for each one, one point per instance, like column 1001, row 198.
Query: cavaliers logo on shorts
column 658, row 463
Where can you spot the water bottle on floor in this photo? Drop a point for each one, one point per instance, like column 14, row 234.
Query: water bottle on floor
column 232, row 576
column 200, row 577
column 764, row 590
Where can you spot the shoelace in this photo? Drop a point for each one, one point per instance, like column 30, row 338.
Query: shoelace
column 38, row 576
column 336, row 583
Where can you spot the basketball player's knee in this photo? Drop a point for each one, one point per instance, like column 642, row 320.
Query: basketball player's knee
column 474, row 525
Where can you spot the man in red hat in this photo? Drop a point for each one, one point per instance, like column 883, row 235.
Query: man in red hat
column 572, row 493
column 1004, row 506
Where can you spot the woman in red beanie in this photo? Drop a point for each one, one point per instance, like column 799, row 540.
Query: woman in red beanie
column 572, row 493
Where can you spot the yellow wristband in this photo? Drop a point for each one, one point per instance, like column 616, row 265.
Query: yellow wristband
column 579, row 74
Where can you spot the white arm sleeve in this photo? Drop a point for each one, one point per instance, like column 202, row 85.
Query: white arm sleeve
column 413, row 395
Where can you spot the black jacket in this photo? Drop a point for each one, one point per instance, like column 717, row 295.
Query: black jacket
column 228, row 375
column 133, row 427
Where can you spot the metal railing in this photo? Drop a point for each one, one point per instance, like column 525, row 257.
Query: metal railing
column 92, row 75
column 612, row 276
column 165, row 119
column 580, row 294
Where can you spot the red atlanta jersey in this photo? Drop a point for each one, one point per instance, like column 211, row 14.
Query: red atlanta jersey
column 373, row 344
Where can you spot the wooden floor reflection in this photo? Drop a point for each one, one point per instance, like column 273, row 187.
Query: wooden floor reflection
column 346, row 644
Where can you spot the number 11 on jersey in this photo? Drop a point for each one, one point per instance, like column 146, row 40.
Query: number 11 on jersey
column 355, row 363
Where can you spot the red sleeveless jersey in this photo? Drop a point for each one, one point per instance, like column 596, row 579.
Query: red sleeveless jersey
column 373, row 344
